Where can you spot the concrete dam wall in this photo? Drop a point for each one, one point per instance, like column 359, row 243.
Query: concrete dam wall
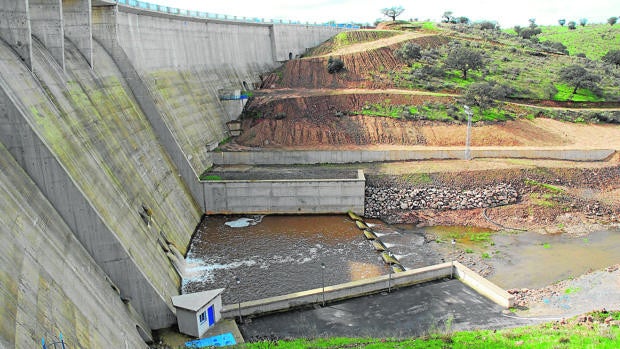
column 106, row 116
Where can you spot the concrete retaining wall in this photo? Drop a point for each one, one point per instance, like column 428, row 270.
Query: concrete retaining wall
column 483, row 286
column 285, row 196
column 355, row 156
column 369, row 286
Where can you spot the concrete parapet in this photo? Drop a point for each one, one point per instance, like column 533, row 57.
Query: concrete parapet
column 359, row 156
column 483, row 286
column 369, row 286
column 285, row 196
column 338, row 292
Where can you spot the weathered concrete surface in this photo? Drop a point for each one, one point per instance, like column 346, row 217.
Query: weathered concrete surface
column 47, row 26
column 184, row 62
column 285, row 196
column 15, row 28
column 95, row 156
column 483, row 286
column 115, row 138
column 415, row 153
column 367, row 286
column 404, row 313
column 48, row 281
column 76, row 15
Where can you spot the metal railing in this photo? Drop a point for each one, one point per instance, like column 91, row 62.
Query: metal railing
column 207, row 15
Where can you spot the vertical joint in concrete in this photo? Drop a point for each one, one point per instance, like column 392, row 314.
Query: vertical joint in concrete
column 77, row 17
column 47, row 26
column 15, row 28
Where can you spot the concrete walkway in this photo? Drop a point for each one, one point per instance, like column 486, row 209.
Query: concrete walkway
column 438, row 306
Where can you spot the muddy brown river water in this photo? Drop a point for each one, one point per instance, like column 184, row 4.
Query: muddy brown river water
column 284, row 254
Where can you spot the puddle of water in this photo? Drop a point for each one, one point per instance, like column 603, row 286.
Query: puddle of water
column 530, row 260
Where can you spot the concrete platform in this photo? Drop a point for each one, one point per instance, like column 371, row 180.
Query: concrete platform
column 436, row 306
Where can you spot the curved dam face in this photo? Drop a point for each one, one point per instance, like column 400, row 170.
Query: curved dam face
column 106, row 116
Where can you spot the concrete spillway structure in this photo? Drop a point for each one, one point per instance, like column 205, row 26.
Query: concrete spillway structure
column 106, row 114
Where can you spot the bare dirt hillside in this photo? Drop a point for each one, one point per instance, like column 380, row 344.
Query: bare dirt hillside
column 311, row 118
column 304, row 106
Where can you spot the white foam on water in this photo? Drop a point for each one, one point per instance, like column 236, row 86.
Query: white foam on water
column 196, row 270
column 241, row 223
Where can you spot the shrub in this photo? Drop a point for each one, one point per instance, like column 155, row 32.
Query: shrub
column 528, row 33
column 612, row 57
column 554, row 46
column 487, row 25
column 483, row 94
column 334, row 65
column 409, row 51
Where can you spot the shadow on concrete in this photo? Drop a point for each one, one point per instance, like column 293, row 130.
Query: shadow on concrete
column 433, row 307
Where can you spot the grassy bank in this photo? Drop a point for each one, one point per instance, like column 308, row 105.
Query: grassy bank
column 585, row 332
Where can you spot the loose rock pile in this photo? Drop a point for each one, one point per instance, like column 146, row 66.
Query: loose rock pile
column 382, row 201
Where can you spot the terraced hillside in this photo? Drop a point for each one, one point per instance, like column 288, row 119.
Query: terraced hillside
column 380, row 98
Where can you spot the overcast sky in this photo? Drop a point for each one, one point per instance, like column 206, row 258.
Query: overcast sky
column 506, row 13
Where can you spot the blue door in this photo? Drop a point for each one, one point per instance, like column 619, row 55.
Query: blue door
column 211, row 316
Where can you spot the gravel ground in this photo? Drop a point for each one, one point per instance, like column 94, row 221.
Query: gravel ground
column 593, row 291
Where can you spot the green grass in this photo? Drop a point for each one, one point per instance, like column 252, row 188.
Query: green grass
column 565, row 93
column 593, row 40
column 548, row 335
column 418, row 178
column 548, row 187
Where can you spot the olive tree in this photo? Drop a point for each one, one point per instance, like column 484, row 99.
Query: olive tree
column 578, row 77
column 484, row 94
column 393, row 11
column 464, row 59
column 409, row 51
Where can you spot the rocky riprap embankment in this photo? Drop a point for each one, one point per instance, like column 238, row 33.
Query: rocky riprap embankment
column 382, row 201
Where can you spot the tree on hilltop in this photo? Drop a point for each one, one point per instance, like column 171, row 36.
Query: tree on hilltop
column 583, row 22
column 393, row 12
column 562, row 21
column 447, row 17
column 572, row 25
column 578, row 77
column 464, row 59
column 612, row 20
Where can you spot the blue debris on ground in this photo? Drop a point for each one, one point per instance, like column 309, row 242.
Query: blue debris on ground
column 221, row 340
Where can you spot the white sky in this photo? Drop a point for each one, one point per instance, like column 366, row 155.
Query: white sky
column 506, row 13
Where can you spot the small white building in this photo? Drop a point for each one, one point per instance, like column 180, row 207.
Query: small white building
column 196, row 312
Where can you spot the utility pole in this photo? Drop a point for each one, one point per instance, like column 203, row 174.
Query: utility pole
column 468, row 139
